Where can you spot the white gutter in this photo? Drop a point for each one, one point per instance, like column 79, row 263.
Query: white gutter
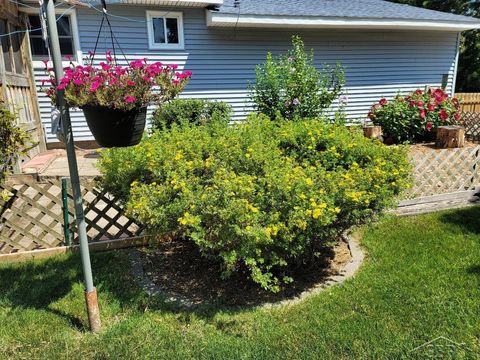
column 215, row 19
column 175, row 3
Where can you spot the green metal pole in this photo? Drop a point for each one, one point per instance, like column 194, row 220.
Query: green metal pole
column 66, row 220
column 90, row 291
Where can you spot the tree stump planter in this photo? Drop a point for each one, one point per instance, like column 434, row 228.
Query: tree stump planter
column 450, row 137
column 372, row 132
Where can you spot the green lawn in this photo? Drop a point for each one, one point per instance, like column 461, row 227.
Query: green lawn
column 421, row 280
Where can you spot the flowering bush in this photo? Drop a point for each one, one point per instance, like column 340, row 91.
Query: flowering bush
column 118, row 87
column 261, row 195
column 13, row 140
column 414, row 117
column 192, row 111
column 290, row 86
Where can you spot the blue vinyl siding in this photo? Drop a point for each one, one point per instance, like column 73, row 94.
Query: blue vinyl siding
column 223, row 60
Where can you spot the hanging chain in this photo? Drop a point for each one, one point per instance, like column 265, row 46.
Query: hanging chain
column 112, row 36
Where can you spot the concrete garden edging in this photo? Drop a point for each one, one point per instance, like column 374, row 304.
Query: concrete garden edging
column 348, row 271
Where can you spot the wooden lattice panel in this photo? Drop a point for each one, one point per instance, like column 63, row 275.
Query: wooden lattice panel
column 440, row 171
column 471, row 122
column 32, row 216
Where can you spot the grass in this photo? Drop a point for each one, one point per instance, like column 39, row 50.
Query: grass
column 421, row 280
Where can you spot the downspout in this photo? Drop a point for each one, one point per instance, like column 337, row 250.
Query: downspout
column 455, row 68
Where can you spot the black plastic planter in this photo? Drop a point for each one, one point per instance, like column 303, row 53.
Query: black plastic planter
column 115, row 128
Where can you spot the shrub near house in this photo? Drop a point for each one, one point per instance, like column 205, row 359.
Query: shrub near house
column 416, row 116
column 190, row 111
column 13, row 139
column 262, row 195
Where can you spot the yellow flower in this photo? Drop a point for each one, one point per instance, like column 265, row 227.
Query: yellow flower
column 178, row 155
column 309, row 182
column 317, row 212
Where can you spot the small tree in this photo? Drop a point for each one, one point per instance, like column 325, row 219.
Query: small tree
column 12, row 140
column 291, row 86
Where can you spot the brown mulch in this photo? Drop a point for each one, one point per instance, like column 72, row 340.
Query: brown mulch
column 178, row 268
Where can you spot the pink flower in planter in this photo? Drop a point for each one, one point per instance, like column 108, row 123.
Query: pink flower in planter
column 383, row 102
column 420, row 103
column 428, row 126
column 108, row 56
column 94, row 87
column 457, row 116
column 431, row 107
column 105, row 67
column 78, row 82
column 130, row 99
column 443, row 115
column 131, row 83
column 422, row 113
column 419, row 92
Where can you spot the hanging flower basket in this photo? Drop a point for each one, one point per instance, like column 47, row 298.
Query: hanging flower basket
column 115, row 128
column 114, row 98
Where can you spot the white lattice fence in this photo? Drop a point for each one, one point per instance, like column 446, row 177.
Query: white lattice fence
column 441, row 171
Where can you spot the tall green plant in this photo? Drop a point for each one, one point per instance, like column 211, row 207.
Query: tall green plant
column 12, row 139
column 292, row 87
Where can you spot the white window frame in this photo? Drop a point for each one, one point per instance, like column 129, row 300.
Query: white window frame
column 77, row 52
column 152, row 45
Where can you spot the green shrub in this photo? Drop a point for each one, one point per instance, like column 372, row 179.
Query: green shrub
column 192, row 111
column 290, row 85
column 262, row 195
column 415, row 117
column 12, row 140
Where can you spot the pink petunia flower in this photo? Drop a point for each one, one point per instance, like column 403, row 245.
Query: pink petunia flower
column 95, row 85
column 428, row 126
column 130, row 99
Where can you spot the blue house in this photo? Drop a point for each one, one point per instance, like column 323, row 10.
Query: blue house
column 384, row 47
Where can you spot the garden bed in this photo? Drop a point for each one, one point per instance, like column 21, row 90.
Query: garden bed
column 181, row 272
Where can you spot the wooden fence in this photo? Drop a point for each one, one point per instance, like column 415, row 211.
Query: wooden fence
column 471, row 122
column 31, row 216
column 470, row 102
column 443, row 171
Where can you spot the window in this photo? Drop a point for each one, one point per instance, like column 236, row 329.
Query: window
column 165, row 30
column 65, row 34
column 12, row 47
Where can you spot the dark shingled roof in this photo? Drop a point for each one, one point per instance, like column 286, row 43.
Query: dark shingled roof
column 357, row 9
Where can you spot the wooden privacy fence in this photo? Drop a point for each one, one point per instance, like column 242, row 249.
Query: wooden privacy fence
column 31, row 216
column 442, row 171
column 470, row 102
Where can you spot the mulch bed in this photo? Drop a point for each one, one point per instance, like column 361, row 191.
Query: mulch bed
column 178, row 268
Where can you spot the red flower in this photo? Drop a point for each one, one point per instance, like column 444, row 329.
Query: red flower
column 422, row 113
column 419, row 92
column 431, row 107
column 383, row 102
column 420, row 103
column 131, row 83
column 371, row 116
column 130, row 99
column 457, row 116
column 443, row 115
column 428, row 126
